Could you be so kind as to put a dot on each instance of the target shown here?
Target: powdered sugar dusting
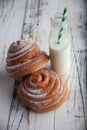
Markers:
(26, 62)
(17, 53)
(41, 101)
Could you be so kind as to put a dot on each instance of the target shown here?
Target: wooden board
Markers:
(34, 23)
(11, 21)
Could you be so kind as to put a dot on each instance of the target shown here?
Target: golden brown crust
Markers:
(43, 91)
(24, 58)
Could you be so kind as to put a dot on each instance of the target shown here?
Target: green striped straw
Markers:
(63, 20)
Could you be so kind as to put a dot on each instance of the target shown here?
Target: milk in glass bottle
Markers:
(59, 51)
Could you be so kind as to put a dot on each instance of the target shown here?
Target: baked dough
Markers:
(43, 91)
(24, 58)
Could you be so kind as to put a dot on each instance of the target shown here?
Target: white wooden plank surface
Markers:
(11, 20)
(72, 115)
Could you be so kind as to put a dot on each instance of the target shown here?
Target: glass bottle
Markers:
(59, 51)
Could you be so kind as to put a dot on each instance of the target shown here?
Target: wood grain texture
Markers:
(35, 18)
(11, 20)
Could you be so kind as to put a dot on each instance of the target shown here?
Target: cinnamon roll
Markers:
(24, 58)
(43, 91)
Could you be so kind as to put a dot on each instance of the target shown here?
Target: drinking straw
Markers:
(62, 28)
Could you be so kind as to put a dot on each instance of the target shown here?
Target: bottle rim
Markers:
(56, 19)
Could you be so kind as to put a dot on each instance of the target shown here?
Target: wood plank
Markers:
(81, 69)
(72, 114)
(11, 21)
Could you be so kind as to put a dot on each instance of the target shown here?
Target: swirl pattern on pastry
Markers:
(43, 91)
(24, 58)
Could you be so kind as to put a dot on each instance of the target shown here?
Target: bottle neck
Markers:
(56, 25)
(54, 31)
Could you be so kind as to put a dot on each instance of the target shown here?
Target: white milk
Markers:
(60, 57)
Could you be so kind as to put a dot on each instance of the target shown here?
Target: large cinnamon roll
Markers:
(43, 91)
(24, 58)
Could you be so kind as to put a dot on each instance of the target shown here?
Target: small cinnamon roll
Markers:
(43, 91)
(24, 58)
